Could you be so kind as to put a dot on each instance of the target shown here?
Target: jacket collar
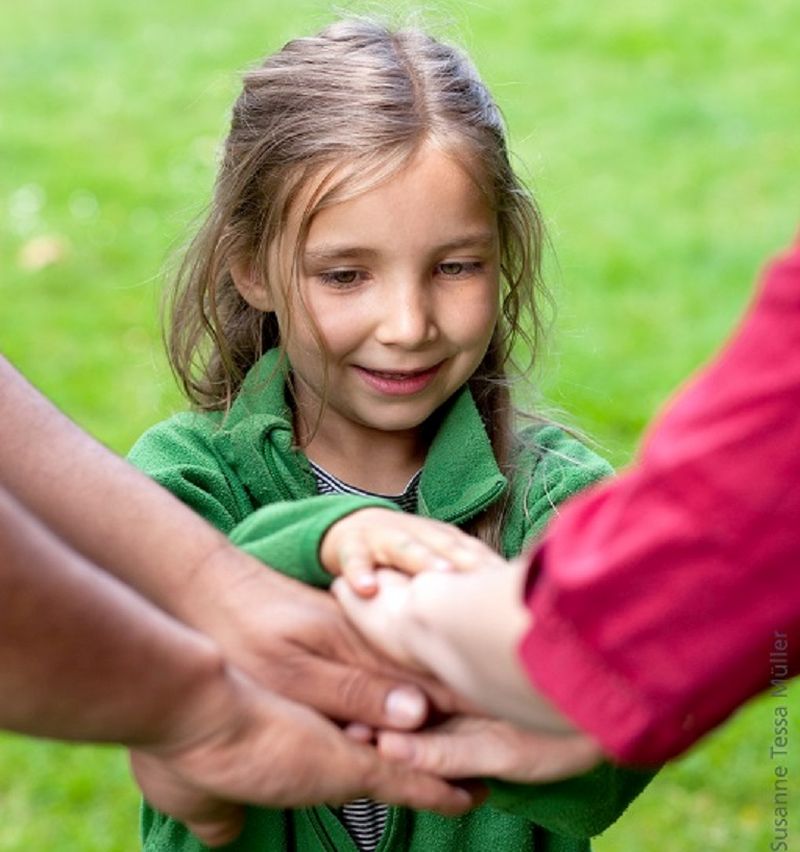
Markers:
(460, 477)
(257, 440)
(263, 391)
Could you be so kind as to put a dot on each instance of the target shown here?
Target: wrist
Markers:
(220, 573)
(332, 545)
(205, 697)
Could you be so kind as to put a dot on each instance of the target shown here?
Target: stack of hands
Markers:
(409, 701)
(234, 684)
(441, 603)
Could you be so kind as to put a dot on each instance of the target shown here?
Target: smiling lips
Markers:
(395, 383)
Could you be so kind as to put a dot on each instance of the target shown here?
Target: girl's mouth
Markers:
(396, 383)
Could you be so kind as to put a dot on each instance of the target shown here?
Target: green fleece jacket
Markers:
(241, 473)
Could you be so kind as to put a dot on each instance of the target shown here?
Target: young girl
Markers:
(342, 325)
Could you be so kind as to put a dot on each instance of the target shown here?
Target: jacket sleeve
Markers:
(179, 455)
(577, 807)
(708, 512)
(562, 466)
(286, 535)
(553, 467)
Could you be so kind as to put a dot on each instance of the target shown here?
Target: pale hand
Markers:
(470, 747)
(295, 640)
(464, 628)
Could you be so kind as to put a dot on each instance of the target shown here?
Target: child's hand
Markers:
(373, 538)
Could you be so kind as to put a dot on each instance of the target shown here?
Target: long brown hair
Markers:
(347, 109)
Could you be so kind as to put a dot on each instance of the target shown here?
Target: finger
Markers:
(464, 552)
(498, 751)
(350, 694)
(357, 567)
(438, 753)
(359, 732)
(351, 770)
(470, 553)
(420, 791)
(410, 550)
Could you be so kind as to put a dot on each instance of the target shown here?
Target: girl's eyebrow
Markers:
(328, 252)
(481, 239)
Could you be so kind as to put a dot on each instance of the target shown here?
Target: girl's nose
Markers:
(407, 316)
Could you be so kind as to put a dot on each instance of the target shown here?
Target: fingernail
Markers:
(405, 707)
(441, 564)
(365, 582)
(359, 732)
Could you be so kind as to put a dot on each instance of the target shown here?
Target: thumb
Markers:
(213, 820)
(219, 828)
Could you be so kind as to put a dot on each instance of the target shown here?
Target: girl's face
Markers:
(402, 284)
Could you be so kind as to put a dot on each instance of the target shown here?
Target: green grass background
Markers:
(660, 136)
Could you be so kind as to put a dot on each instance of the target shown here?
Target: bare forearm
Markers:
(266, 624)
(82, 657)
(100, 505)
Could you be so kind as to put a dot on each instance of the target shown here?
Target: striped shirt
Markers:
(365, 819)
(327, 483)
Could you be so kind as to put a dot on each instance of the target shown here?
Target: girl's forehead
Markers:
(432, 176)
(432, 202)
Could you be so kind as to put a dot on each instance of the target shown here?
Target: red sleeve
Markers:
(665, 599)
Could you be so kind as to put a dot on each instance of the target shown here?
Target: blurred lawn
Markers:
(661, 138)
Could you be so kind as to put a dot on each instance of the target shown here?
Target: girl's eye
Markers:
(458, 268)
(339, 277)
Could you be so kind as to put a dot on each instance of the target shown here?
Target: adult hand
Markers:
(296, 641)
(470, 746)
(207, 735)
(247, 745)
(286, 636)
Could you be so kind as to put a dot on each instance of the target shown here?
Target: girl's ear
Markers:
(250, 286)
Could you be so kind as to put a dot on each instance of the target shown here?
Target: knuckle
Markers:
(357, 693)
